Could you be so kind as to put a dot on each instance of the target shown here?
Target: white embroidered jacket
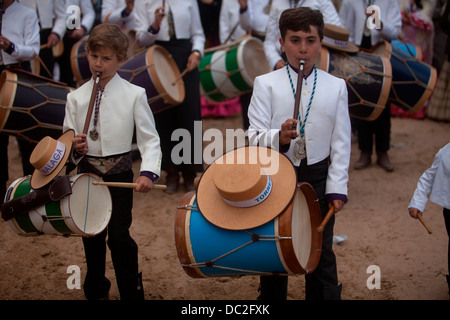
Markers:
(327, 129)
(123, 107)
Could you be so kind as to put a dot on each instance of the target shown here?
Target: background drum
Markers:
(289, 244)
(409, 48)
(86, 212)
(413, 81)
(156, 71)
(79, 62)
(368, 78)
(32, 107)
(228, 71)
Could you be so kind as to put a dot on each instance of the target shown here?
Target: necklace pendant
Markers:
(299, 149)
(93, 134)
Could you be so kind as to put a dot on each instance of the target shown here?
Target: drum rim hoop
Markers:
(184, 249)
(154, 74)
(287, 254)
(8, 85)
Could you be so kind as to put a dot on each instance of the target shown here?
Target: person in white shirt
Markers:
(19, 43)
(318, 142)
(435, 185)
(176, 27)
(271, 44)
(354, 17)
(254, 16)
(119, 12)
(49, 11)
(120, 110)
(19, 39)
(229, 24)
(78, 22)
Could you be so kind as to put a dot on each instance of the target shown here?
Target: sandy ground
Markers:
(412, 263)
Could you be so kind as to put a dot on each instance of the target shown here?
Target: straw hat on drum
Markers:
(246, 188)
(49, 157)
(336, 37)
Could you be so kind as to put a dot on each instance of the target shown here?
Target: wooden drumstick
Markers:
(419, 216)
(326, 219)
(180, 76)
(127, 185)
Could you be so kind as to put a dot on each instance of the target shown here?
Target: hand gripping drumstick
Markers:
(298, 91)
(127, 185)
(325, 220)
(419, 216)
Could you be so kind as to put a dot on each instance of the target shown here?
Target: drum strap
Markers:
(60, 188)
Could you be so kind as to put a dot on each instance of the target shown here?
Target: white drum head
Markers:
(252, 60)
(168, 74)
(90, 205)
(301, 228)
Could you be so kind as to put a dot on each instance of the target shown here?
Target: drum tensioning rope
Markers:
(255, 238)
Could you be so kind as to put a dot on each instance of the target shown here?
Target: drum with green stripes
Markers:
(228, 71)
(85, 212)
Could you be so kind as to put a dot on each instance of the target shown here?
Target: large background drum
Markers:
(86, 212)
(413, 81)
(289, 244)
(156, 71)
(228, 71)
(368, 78)
(32, 107)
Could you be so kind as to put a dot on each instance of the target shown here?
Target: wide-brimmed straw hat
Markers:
(336, 37)
(49, 157)
(246, 187)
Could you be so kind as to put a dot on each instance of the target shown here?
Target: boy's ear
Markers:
(120, 62)
(282, 44)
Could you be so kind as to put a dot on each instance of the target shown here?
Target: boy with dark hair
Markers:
(318, 142)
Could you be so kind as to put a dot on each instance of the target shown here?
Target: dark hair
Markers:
(107, 35)
(301, 19)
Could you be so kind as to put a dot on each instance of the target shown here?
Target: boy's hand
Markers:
(144, 184)
(4, 43)
(288, 131)
(414, 212)
(338, 205)
(129, 6)
(79, 143)
(193, 61)
(280, 64)
(159, 16)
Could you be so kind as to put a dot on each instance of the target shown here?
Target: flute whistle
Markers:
(298, 91)
(91, 103)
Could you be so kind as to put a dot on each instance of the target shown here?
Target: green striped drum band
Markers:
(228, 71)
(85, 212)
